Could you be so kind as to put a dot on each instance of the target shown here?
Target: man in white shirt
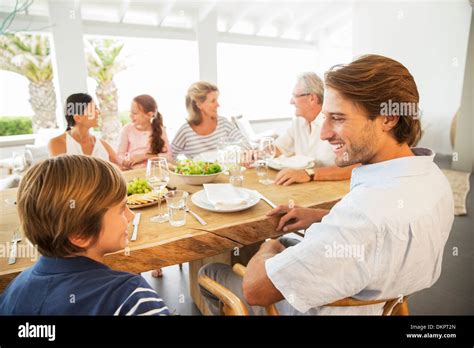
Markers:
(385, 238)
(303, 137)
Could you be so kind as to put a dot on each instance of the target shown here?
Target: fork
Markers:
(196, 216)
(13, 251)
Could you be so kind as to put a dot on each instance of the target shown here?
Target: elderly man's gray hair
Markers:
(311, 83)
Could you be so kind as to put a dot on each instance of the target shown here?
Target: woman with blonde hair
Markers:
(73, 209)
(204, 128)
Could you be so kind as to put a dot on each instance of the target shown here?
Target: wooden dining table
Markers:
(227, 237)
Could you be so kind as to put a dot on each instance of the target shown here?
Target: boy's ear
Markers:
(79, 241)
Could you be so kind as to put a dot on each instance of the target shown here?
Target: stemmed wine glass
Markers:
(158, 176)
(21, 161)
(266, 151)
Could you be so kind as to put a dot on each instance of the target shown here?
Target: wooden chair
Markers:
(233, 305)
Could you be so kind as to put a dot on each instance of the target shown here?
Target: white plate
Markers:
(199, 198)
(278, 166)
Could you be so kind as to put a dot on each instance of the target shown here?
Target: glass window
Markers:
(257, 81)
(161, 68)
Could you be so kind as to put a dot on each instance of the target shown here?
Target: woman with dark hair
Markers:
(81, 115)
(145, 137)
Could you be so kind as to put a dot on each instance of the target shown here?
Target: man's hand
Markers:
(289, 176)
(272, 246)
(297, 218)
(258, 289)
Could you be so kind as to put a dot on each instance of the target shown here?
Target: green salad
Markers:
(190, 167)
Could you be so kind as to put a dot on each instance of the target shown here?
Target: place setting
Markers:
(226, 198)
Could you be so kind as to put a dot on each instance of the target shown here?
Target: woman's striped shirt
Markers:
(189, 143)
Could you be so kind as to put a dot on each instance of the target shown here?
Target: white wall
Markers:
(430, 39)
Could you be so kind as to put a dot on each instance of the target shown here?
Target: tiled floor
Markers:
(174, 289)
(450, 295)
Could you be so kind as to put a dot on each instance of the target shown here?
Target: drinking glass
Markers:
(229, 153)
(176, 201)
(236, 176)
(18, 162)
(124, 158)
(28, 158)
(158, 176)
(266, 151)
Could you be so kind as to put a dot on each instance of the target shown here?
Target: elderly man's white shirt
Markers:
(383, 240)
(301, 139)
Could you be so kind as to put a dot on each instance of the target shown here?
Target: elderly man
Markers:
(303, 137)
(385, 238)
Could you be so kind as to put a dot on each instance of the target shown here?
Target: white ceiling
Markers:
(302, 21)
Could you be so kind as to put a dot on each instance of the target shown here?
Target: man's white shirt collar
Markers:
(405, 166)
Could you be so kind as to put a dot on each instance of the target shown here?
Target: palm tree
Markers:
(29, 55)
(103, 65)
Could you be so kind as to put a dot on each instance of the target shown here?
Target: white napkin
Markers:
(294, 162)
(225, 196)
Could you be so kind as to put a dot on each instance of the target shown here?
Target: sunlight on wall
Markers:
(257, 81)
(14, 95)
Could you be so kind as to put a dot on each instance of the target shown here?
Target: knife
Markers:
(136, 221)
(14, 251)
(269, 202)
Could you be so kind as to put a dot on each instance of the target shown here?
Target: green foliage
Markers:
(15, 125)
(102, 59)
(27, 55)
(124, 117)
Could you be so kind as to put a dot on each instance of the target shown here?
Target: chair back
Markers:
(233, 305)
(244, 127)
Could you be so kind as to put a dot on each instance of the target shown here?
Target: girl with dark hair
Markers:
(81, 115)
(145, 137)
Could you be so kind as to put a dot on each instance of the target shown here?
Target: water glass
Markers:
(266, 151)
(229, 153)
(176, 201)
(125, 158)
(262, 169)
(236, 176)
